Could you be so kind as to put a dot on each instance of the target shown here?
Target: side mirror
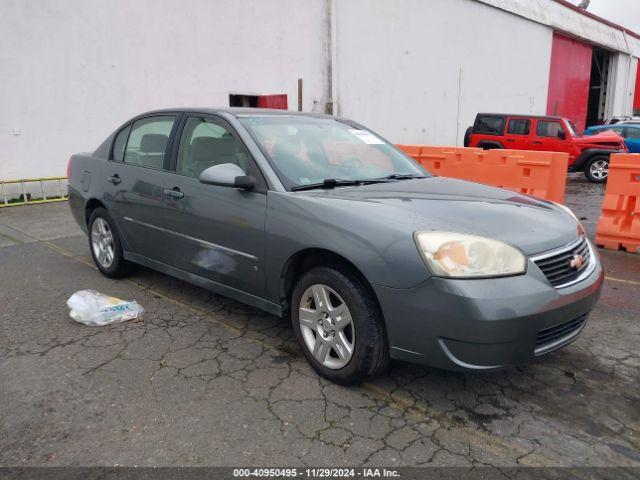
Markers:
(227, 175)
(562, 135)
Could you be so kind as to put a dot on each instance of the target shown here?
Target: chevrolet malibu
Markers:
(320, 220)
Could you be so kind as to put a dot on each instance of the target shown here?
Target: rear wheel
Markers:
(597, 169)
(339, 326)
(489, 146)
(105, 245)
(467, 136)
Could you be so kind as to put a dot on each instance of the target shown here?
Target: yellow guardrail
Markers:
(27, 198)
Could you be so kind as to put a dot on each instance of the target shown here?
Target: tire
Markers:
(467, 136)
(104, 237)
(489, 146)
(597, 169)
(365, 334)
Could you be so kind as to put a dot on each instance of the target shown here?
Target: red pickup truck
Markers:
(589, 154)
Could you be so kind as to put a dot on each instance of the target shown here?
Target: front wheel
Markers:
(597, 169)
(339, 326)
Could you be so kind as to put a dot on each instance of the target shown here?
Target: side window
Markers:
(633, 133)
(519, 126)
(148, 141)
(490, 125)
(205, 143)
(547, 128)
(119, 143)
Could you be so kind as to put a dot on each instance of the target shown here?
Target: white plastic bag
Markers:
(95, 309)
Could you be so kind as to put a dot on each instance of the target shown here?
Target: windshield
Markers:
(572, 128)
(309, 150)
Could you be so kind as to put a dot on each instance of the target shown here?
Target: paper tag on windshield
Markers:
(367, 137)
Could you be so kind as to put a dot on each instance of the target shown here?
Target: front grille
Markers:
(611, 144)
(559, 335)
(560, 267)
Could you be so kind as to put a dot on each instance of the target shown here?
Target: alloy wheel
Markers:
(599, 169)
(102, 242)
(327, 326)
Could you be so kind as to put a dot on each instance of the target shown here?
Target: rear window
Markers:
(147, 143)
(519, 126)
(490, 125)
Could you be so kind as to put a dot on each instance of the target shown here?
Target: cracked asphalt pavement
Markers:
(204, 380)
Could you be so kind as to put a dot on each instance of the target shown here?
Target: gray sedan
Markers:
(318, 219)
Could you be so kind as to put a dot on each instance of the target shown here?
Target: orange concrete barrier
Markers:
(413, 151)
(540, 174)
(619, 224)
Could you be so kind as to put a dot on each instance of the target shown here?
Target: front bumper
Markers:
(486, 324)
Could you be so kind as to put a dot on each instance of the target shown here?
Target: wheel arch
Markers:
(89, 207)
(490, 145)
(303, 260)
(587, 154)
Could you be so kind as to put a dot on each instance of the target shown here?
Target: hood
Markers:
(446, 204)
(605, 138)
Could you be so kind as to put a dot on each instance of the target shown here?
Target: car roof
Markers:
(523, 115)
(617, 125)
(239, 112)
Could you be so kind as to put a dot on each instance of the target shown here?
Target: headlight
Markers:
(460, 255)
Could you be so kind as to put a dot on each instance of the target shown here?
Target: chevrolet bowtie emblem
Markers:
(577, 262)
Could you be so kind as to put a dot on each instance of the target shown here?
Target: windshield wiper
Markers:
(404, 176)
(336, 182)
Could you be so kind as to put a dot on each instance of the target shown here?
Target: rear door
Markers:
(545, 136)
(517, 133)
(137, 180)
(216, 232)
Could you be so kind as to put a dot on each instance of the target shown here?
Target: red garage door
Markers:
(569, 79)
(636, 97)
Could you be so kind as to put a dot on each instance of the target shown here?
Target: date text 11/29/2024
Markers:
(315, 472)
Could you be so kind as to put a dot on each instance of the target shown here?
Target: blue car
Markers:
(630, 132)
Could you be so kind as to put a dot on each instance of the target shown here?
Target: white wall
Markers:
(418, 72)
(72, 71)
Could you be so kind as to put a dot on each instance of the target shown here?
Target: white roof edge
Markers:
(634, 44)
(566, 20)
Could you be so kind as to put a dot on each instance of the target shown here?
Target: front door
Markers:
(546, 136)
(218, 232)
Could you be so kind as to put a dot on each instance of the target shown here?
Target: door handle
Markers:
(511, 140)
(536, 143)
(115, 179)
(173, 192)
